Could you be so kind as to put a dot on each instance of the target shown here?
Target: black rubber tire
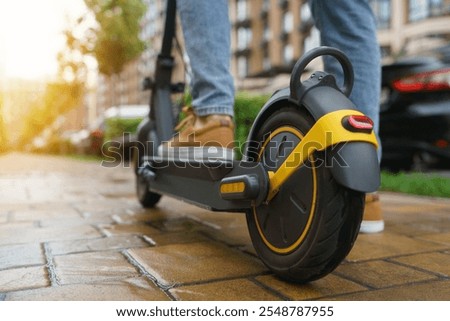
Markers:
(145, 197)
(299, 237)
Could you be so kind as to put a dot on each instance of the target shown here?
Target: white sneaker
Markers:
(373, 218)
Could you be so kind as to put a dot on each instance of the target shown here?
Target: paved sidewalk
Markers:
(73, 230)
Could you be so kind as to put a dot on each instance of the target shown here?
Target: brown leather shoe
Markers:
(373, 218)
(201, 138)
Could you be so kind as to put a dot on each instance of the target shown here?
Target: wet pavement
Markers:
(73, 230)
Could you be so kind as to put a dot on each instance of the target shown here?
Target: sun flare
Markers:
(30, 35)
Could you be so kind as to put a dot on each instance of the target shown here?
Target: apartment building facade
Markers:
(268, 36)
(408, 27)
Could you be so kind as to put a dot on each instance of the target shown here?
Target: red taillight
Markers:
(358, 123)
(441, 143)
(426, 81)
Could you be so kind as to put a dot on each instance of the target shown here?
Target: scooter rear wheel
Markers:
(310, 226)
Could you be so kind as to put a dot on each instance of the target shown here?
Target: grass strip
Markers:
(416, 183)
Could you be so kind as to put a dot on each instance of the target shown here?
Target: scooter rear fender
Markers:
(353, 164)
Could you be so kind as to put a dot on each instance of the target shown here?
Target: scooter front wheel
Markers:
(144, 148)
(310, 226)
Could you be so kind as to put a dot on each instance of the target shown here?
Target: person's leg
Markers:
(349, 25)
(207, 132)
(206, 29)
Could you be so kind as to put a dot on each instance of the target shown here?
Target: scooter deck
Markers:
(208, 184)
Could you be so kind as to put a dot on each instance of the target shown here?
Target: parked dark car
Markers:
(415, 113)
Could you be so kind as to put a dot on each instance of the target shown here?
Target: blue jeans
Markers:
(349, 25)
(206, 29)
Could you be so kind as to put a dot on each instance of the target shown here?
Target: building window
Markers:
(288, 54)
(305, 12)
(439, 7)
(423, 9)
(242, 65)
(267, 33)
(386, 51)
(244, 38)
(267, 65)
(288, 22)
(382, 11)
(242, 10)
(417, 10)
(312, 41)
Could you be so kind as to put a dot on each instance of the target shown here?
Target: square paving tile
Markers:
(233, 290)
(6, 228)
(167, 209)
(53, 205)
(21, 255)
(92, 267)
(442, 238)
(400, 199)
(196, 262)
(44, 214)
(99, 244)
(23, 278)
(386, 244)
(4, 217)
(429, 291)
(235, 236)
(417, 223)
(123, 290)
(9, 207)
(433, 262)
(77, 221)
(380, 274)
(179, 225)
(128, 229)
(110, 206)
(330, 285)
(229, 228)
(131, 217)
(218, 219)
(13, 235)
(176, 238)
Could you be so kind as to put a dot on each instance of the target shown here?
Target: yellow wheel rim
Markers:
(300, 239)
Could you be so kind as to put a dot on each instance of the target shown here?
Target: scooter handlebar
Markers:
(295, 82)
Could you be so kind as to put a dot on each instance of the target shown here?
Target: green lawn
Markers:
(416, 183)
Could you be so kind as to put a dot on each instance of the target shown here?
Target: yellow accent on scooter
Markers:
(326, 132)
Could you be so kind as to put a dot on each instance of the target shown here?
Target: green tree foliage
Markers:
(116, 39)
(72, 65)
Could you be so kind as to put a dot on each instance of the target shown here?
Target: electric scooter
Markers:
(309, 159)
